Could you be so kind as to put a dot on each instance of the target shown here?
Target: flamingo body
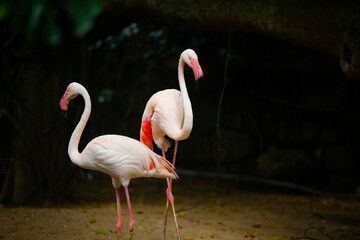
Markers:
(121, 157)
(165, 110)
(169, 113)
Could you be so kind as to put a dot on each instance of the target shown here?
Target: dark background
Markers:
(288, 113)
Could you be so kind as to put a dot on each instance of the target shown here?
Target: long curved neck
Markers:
(73, 148)
(188, 115)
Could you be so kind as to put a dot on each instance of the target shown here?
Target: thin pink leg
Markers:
(119, 222)
(175, 152)
(170, 197)
(132, 220)
(174, 157)
(167, 199)
(163, 152)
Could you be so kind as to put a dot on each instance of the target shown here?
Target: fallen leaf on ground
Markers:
(138, 210)
(100, 231)
(180, 214)
(210, 235)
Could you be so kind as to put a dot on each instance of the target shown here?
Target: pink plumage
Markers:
(121, 157)
(170, 114)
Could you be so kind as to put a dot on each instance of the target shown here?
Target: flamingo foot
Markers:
(131, 234)
(118, 229)
(131, 228)
(170, 196)
(171, 199)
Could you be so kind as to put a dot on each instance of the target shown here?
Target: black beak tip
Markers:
(197, 83)
(64, 113)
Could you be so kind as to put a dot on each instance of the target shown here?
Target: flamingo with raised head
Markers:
(169, 112)
(121, 157)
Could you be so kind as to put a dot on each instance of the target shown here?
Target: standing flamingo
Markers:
(120, 157)
(169, 112)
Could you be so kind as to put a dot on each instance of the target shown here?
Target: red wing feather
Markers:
(146, 133)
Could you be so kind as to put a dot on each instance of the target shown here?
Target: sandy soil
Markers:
(230, 213)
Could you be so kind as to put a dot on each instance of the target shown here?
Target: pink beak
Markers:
(64, 104)
(198, 73)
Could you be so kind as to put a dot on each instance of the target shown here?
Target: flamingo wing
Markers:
(125, 158)
(146, 132)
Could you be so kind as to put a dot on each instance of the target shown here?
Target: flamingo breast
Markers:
(167, 109)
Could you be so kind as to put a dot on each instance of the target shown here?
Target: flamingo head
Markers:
(72, 91)
(191, 59)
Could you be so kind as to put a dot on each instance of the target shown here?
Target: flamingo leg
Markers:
(170, 197)
(163, 152)
(167, 199)
(119, 222)
(132, 220)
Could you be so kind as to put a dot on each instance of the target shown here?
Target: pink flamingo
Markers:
(169, 112)
(120, 157)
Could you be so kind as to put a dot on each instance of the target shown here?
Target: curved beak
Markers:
(64, 104)
(198, 73)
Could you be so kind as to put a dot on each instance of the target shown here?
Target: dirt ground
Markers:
(232, 212)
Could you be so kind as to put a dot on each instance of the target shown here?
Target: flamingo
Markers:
(169, 112)
(121, 157)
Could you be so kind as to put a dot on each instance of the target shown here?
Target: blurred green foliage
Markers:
(48, 21)
(83, 13)
(30, 30)
(106, 95)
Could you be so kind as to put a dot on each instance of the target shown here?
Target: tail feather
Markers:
(168, 166)
(165, 165)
